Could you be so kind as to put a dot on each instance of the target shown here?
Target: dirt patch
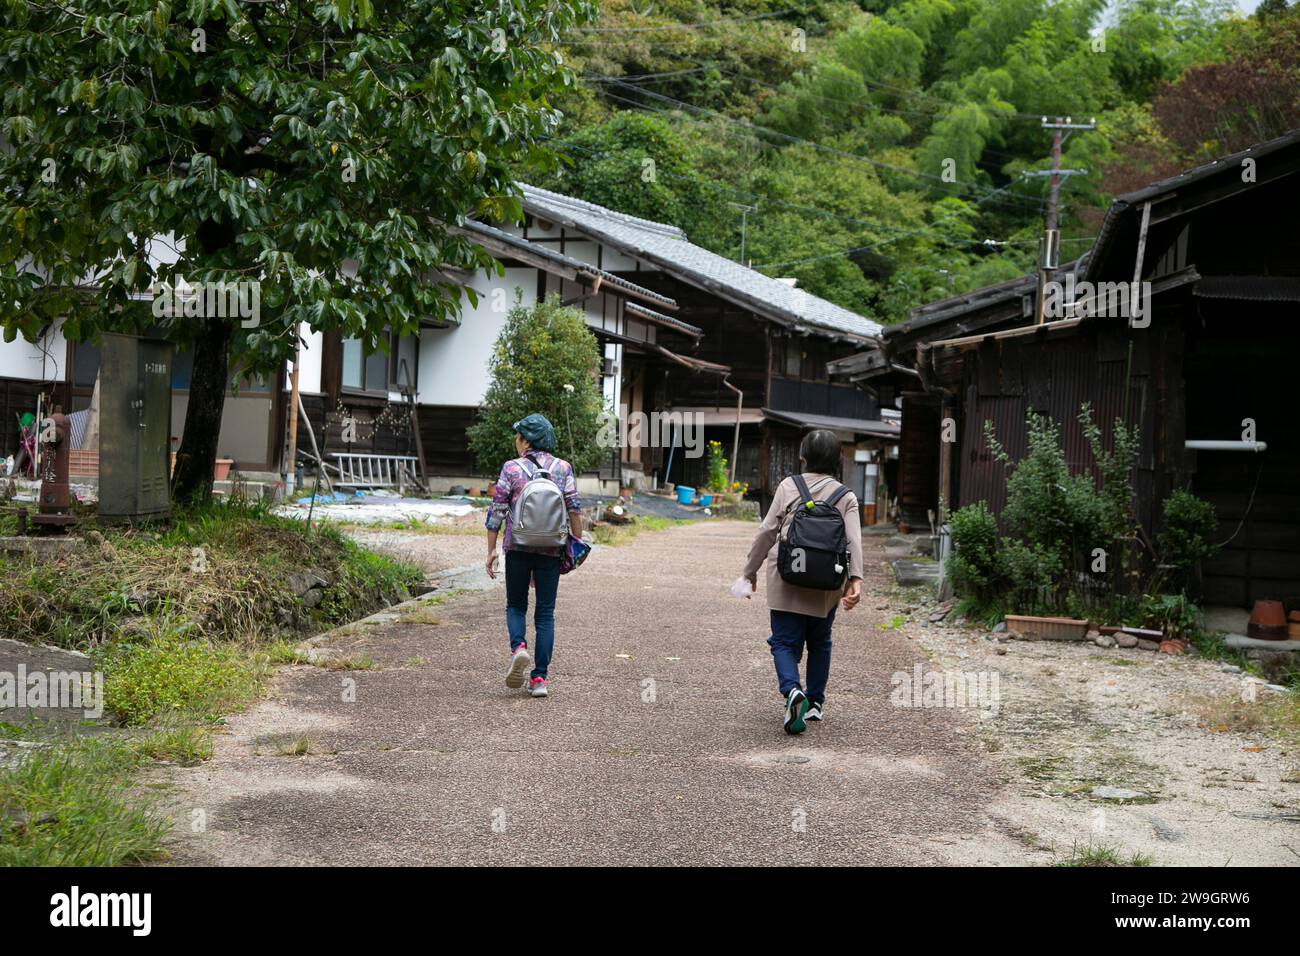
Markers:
(1125, 749)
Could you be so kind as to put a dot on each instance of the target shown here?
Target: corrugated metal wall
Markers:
(1010, 378)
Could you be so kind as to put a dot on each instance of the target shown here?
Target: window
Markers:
(793, 358)
(379, 370)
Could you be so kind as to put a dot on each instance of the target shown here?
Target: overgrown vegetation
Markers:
(218, 573)
(185, 622)
(874, 149)
(616, 534)
(1098, 854)
(1070, 541)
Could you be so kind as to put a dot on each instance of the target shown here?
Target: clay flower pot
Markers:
(221, 470)
(1268, 621)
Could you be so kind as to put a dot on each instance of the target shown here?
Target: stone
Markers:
(313, 597)
(42, 548)
(106, 550)
(1104, 640)
(1115, 793)
(1240, 642)
(301, 583)
(912, 573)
(1126, 640)
(940, 612)
(1145, 645)
(1093, 634)
(1230, 668)
(1000, 627)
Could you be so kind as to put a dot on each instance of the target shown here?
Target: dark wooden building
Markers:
(1206, 375)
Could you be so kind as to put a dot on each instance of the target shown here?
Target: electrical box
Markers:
(135, 424)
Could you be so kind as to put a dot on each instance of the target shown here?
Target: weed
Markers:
(71, 806)
(1102, 855)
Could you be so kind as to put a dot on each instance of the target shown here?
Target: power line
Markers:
(817, 210)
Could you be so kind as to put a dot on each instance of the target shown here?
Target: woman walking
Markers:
(536, 499)
(825, 555)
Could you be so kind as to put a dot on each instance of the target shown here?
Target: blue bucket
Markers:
(706, 500)
(685, 494)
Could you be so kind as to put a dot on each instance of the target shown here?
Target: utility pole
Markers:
(744, 222)
(1049, 252)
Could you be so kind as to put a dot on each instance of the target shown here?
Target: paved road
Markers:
(437, 762)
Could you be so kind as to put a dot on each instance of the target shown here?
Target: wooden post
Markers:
(290, 467)
(945, 463)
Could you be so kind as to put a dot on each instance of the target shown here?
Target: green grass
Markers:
(1100, 855)
(72, 805)
(181, 642)
(617, 534)
(181, 744)
(173, 675)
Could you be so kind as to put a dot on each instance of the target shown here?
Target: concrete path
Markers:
(661, 742)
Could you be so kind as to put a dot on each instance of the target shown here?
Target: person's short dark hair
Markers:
(820, 451)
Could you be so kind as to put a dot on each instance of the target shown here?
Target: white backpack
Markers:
(540, 518)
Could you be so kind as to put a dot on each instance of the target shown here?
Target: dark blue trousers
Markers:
(544, 571)
(790, 632)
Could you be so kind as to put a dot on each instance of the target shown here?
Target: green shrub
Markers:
(546, 361)
(1189, 522)
(717, 468)
(1173, 614)
(1058, 520)
(975, 564)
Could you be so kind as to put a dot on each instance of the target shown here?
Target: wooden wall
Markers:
(1240, 365)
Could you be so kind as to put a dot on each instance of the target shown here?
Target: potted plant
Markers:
(221, 470)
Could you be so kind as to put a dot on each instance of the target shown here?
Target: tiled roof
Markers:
(501, 237)
(667, 247)
(650, 315)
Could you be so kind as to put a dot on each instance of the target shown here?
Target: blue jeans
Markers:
(544, 570)
(790, 632)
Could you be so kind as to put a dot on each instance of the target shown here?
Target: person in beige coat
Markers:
(804, 616)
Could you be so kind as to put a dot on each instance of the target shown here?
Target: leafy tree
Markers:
(314, 148)
(638, 164)
(939, 101)
(545, 360)
(1154, 40)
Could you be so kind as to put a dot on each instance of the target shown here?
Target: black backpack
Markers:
(814, 549)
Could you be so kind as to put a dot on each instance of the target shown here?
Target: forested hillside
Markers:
(876, 150)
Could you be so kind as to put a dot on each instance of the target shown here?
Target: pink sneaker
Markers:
(537, 687)
(520, 661)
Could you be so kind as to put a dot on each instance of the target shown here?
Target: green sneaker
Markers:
(796, 705)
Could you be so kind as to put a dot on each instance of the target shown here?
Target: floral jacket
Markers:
(512, 480)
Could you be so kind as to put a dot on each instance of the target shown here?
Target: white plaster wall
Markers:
(454, 362)
(309, 372)
(39, 361)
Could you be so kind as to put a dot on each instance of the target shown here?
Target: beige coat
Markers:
(788, 597)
